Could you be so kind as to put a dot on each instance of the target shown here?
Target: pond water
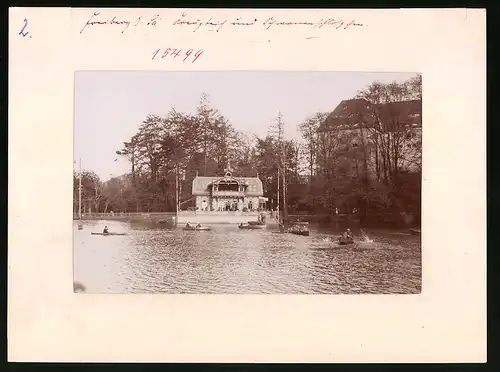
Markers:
(228, 260)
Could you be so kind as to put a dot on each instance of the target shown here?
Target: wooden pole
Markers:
(176, 191)
(80, 191)
(285, 205)
(278, 198)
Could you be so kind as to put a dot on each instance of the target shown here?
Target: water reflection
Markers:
(158, 259)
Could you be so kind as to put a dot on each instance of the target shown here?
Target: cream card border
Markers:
(446, 323)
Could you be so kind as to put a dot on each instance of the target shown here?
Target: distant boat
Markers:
(256, 223)
(109, 233)
(300, 228)
(415, 231)
(251, 227)
(195, 228)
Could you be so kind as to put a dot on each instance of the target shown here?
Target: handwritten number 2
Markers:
(22, 33)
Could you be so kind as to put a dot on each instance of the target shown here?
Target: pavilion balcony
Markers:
(228, 193)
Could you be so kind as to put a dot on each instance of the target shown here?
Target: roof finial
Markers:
(197, 173)
(228, 171)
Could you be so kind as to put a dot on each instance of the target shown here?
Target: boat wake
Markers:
(366, 238)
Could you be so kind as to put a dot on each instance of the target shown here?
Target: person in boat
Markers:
(347, 234)
(105, 231)
(262, 218)
(188, 224)
(199, 225)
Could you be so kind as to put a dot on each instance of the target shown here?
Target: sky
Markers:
(110, 105)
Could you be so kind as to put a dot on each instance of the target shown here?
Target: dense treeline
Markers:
(323, 173)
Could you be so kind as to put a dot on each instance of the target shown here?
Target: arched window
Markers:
(228, 185)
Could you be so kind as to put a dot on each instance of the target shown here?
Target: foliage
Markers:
(366, 169)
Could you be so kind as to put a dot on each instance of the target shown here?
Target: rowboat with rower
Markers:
(198, 227)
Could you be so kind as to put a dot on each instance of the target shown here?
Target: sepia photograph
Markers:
(247, 182)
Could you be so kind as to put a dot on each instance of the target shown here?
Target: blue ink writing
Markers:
(22, 33)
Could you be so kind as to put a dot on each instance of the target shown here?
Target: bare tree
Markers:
(309, 130)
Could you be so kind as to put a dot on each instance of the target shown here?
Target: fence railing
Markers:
(159, 214)
(156, 215)
(215, 213)
(124, 214)
(228, 193)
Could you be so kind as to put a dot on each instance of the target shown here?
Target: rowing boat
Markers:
(194, 228)
(300, 228)
(256, 223)
(345, 241)
(251, 227)
(97, 233)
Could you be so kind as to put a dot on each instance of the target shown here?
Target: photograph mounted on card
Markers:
(290, 185)
(248, 182)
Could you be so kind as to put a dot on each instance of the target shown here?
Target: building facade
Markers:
(367, 131)
(228, 193)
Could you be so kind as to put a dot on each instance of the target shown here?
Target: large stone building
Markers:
(357, 122)
(228, 193)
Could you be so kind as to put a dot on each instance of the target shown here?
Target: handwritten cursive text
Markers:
(175, 53)
(267, 23)
(94, 21)
(151, 22)
(333, 22)
(196, 23)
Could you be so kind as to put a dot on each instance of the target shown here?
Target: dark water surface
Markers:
(227, 260)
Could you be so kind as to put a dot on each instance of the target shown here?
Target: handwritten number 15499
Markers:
(174, 53)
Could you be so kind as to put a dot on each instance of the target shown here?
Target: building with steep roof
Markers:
(349, 114)
(357, 121)
(228, 193)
